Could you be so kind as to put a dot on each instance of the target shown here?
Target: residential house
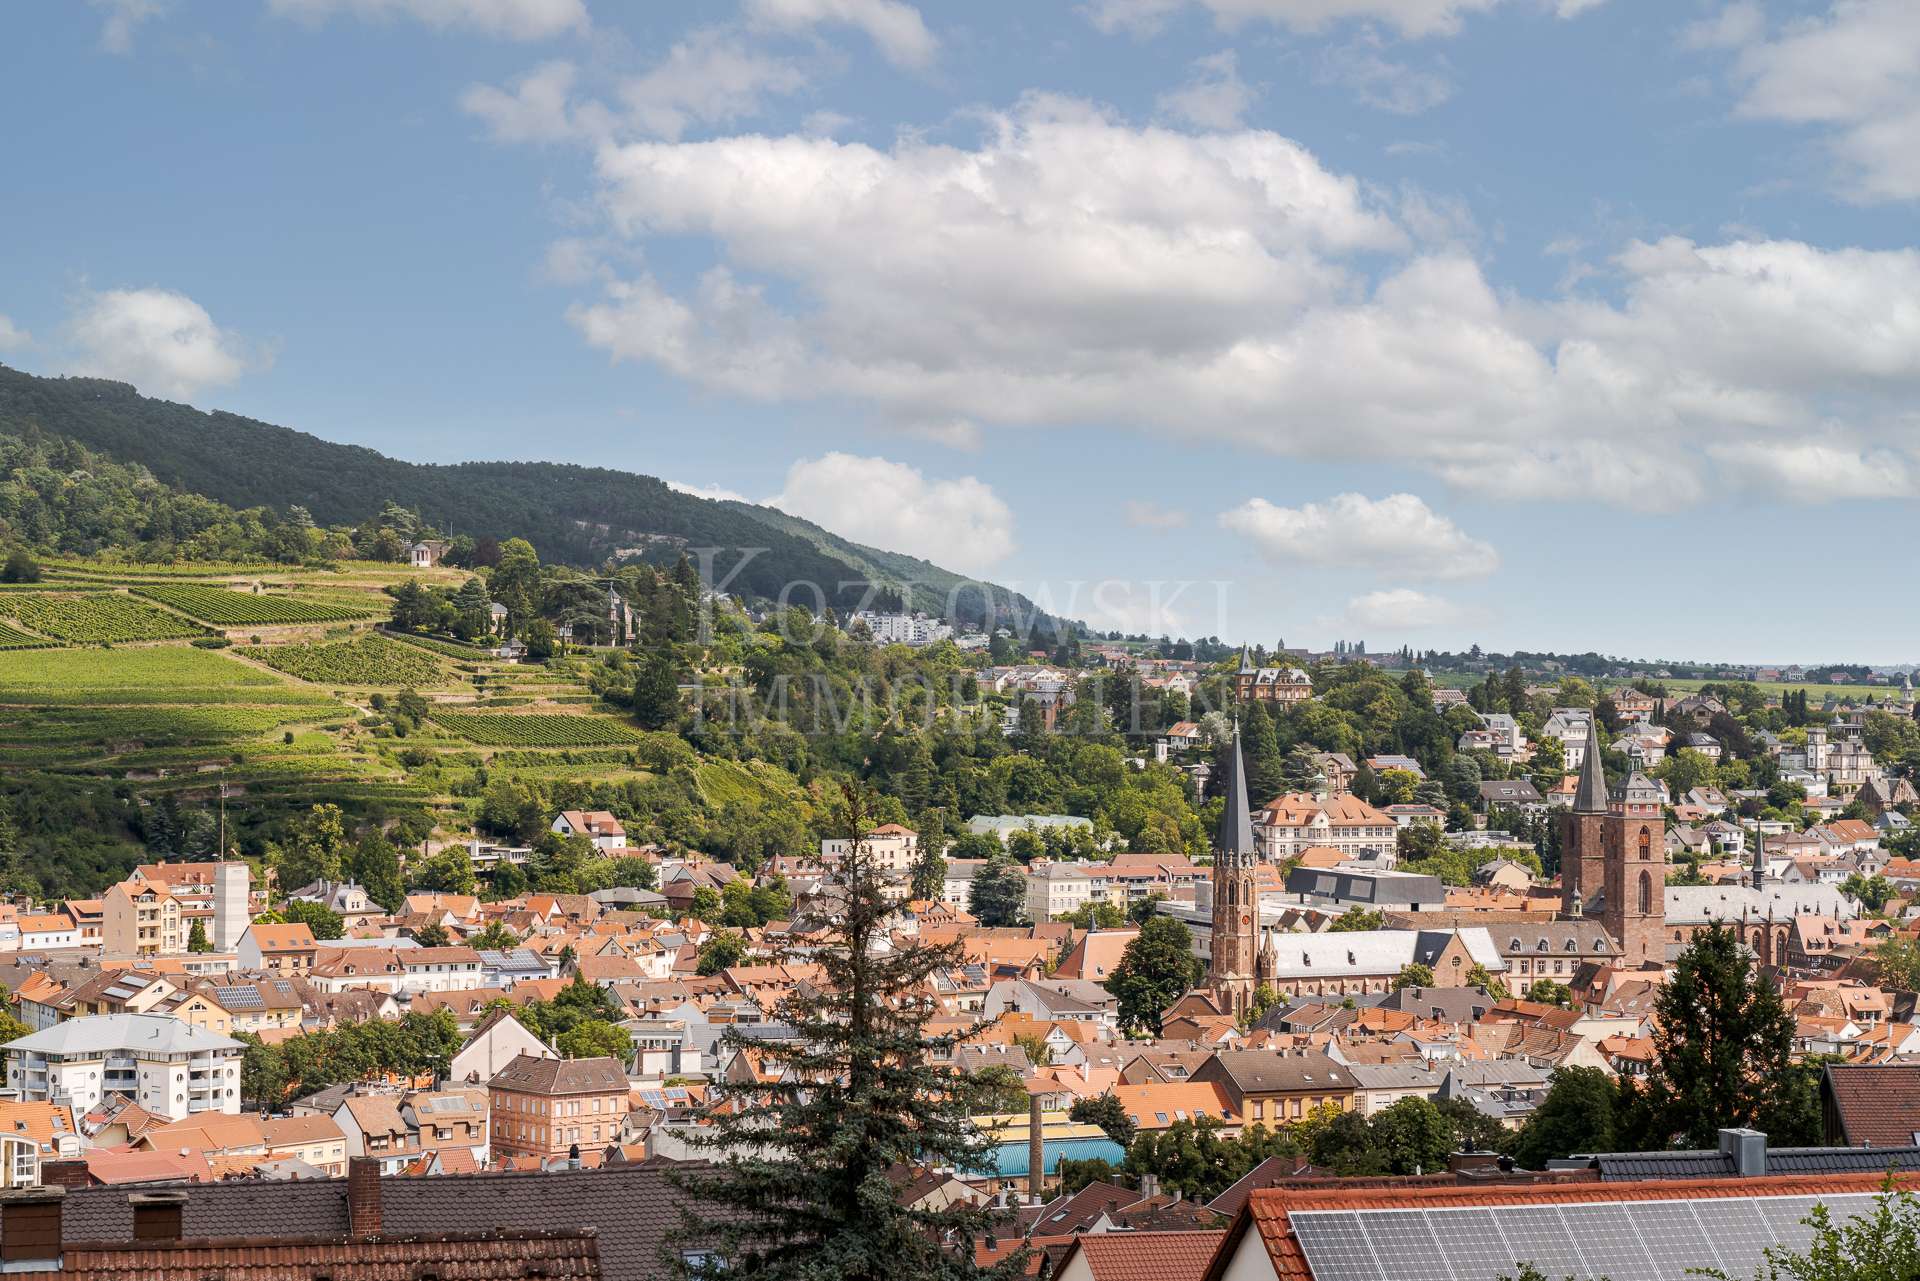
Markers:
(545, 1107)
(598, 826)
(282, 949)
(1263, 1087)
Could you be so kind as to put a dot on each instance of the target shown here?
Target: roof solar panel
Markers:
(1675, 1239)
(1406, 1246)
(1737, 1230)
(1535, 1234)
(1609, 1243)
(1473, 1244)
(1335, 1246)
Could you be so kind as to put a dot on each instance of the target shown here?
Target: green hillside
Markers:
(574, 515)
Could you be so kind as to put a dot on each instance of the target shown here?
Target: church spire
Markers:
(1591, 796)
(1246, 660)
(1235, 836)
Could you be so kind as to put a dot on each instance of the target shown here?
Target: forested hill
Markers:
(576, 515)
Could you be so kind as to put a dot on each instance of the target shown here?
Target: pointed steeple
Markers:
(1759, 861)
(1591, 796)
(1246, 660)
(1236, 826)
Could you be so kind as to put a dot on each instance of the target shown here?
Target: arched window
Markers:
(1646, 894)
(1646, 846)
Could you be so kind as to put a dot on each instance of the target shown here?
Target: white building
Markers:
(168, 1067)
(1055, 888)
(902, 629)
(892, 847)
(598, 826)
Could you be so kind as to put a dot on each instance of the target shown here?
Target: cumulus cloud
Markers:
(12, 336)
(162, 342)
(958, 524)
(1408, 17)
(1214, 98)
(538, 108)
(1144, 513)
(896, 28)
(1400, 607)
(718, 493)
(123, 18)
(1070, 268)
(1853, 72)
(505, 19)
(1398, 535)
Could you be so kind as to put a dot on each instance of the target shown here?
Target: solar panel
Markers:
(1335, 1246)
(1607, 1239)
(1472, 1243)
(1535, 1234)
(1673, 1236)
(1784, 1215)
(1738, 1232)
(1406, 1246)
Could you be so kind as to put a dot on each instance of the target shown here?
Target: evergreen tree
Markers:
(1155, 970)
(1260, 748)
(929, 868)
(799, 1187)
(656, 690)
(1725, 1053)
(197, 940)
(1576, 1116)
(998, 895)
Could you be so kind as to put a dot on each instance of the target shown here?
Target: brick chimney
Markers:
(363, 1196)
(68, 1173)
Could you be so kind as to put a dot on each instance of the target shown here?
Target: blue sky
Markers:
(1572, 324)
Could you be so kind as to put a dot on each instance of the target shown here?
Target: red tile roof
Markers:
(1877, 1104)
(1144, 1256)
(571, 1256)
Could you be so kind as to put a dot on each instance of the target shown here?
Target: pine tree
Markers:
(1155, 970)
(998, 895)
(799, 1188)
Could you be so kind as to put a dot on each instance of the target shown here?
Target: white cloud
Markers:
(1855, 72)
(12, 336)
(1144, 513)
(718, 493)
(123, 18)
(162, 342)
(957, 524)
(1360, 65)
(712, 77)
(709, 78)
(1818, 471)
(1400, 607)
(1408, 17)
(895, 27)
(1740, 23)
(1068, 268)
(506, 19)
(1398, 535)
(1214, 98)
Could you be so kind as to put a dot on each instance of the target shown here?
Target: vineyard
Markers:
(223, 608)
(534, 730)
(448, 649)
(12, 637)
(160, 675)
(93, 617)
(370, 660)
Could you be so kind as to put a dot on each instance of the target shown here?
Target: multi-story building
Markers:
(1282, 685)
(1055, 888)
(598, 826)
(164, 1065)
(283, 949)
(903, 629)
(1298, 821)
(892, 848)
(140, 919)
(546, 1108)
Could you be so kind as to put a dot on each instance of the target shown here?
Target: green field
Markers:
(223, 608)
(12, 637)
(150, 677)
(536, 730)
(91, 617)
(368, 660)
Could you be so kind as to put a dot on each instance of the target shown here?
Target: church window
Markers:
(1646, 846)
(1646, 895)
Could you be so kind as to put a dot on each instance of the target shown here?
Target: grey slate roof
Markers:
(1627, 1167)
(1236, 822)
(1591, 795)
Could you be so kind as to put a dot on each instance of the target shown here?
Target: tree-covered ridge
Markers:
(576, 515)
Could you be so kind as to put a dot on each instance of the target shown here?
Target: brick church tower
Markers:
(1236, 901)
(1613, 858)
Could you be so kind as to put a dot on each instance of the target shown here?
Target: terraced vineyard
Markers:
(369, 660)
(12, 637)
(446, 649)
(178, 675)
(88, 617)
(534, 729)
(223, 608)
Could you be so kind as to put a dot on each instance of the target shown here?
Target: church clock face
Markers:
(1245, 919)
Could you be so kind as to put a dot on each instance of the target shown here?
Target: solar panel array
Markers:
(1611, 1240)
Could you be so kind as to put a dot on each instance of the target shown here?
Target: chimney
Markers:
(157, 1215)
(30, 1229)
(1149, 1184)
(1748, 1148)
(1036, 1152)
(1464, 1162)
(363, 1196)
(68, 1173)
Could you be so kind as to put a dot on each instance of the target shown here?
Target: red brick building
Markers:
(1613, 858)
(544, 1108)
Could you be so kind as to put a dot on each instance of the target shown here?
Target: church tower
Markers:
(1583, 833)
(1635, 908)
(1236, 903)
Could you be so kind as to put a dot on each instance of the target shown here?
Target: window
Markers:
(1646, 884)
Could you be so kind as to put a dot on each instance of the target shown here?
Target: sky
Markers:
(1544, 324)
